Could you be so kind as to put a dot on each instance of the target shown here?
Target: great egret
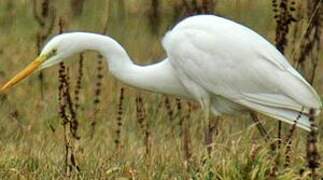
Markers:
(223, 65)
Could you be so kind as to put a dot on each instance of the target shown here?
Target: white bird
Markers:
(223, 65)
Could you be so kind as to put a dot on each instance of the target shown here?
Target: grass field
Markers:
(31, 132)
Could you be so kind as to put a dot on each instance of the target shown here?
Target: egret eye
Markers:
(52, 53)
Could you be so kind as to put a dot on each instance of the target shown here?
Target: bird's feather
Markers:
(232, 61)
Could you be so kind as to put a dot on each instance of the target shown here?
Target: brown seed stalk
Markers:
(119, 120)
(288, 141)
(283, 16)
(144, 124)
(45, 17)
(154, 16)
(140, 112)
(70, 123)
(77, 7)
(169, 109)
(68, 116)
(97, 93)
(312, 154)
(98, 84)
(308, 58)
(78, 86)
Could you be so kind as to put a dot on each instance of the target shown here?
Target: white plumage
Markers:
(225, 66)
(214, 57)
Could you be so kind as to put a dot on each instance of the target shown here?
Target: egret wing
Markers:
(232, 61)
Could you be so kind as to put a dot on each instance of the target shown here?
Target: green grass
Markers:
(29, 149)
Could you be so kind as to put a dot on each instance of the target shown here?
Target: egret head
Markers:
(58, 48)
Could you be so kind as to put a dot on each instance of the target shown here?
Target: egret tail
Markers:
(285, 115)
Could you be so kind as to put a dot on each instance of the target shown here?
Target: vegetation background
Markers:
(142, 135)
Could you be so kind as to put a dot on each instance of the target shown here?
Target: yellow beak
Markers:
(24, 73)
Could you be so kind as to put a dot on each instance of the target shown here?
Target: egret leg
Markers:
(207, 132)
(260, 127)
(211, 129)
(205, 126)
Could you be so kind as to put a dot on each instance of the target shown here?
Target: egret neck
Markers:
(159, 77)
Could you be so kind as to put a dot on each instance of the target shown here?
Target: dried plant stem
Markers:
(140, 112)
(254, 151)
(288, 141)
(78, 86)
(208, 6)
(46, 20)
(147, 140)
(284, 18)
(106, 23)
(179, 106)
(312, 153)
(154, 16)
(68, 116)
(98, 84)
(36, 14)
(308, 58)
(260, 126)
(70, 122)
(273, 171)
(144, 124)
(119, 120)
(77, 7)
(199, 7)
(3, 98)
(169, 109)
(289, 145)
(14, 113)
(98, 92)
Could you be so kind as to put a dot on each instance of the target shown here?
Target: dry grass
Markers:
(151, 146)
